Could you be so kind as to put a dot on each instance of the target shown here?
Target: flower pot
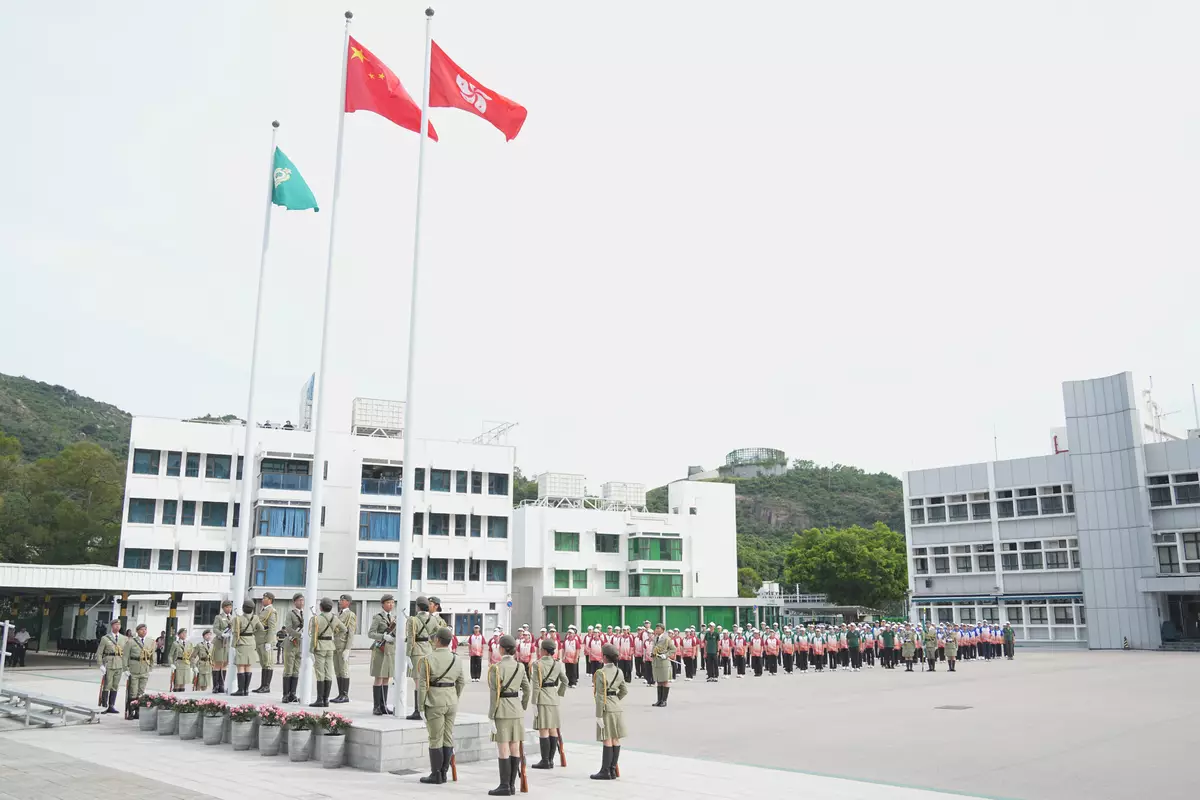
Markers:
(168, 722)
(268, 739)
(214, 727)
(147, 719)
(297, 745)
(226, 730)
(242, 735)
(333, 750)
(189, 725)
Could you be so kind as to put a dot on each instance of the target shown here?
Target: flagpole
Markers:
(406, 510)
(306, 683)
(238, 593)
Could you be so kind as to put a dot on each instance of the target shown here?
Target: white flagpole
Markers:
(306, 688)
(403, 596)
(238, 593)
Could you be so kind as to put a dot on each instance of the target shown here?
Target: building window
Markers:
(418, 524)
(1004, 504)
(497, 571)
(987, 563)
(141, 510)
(205, 611)
(497, 528)
(653, 548)
(1191, 552)
(174, 461)
(460, 569)
(937, 509)
(476, 483)
(991, 614)
(170, 514)
(166, 558)
(1168, 559)
(476, 526)
(216, 466)
(966, 614)
(419, 479)
(137, 558)
(232, 562)
(1014, 614)
(1052, 505)
(439, 524)
(497, 483)
(193, 466)
(612, 580)
(472, 569)
(941, 566)
(562, 579)
(642, 585)
(1064, 615)
(438, 569)
(145, 462)
(241, 463)
(1038, 615)
(237, 515)
(579, 579)
(1187, 493)
(460, 524)
(962, 563)
(1057, 559)
(945, 615)
(183, 562)
(1160, 495)
(210, 561)
(1027, 506)
(981, 510)
(921, 565)
(460, 482)
(1009, 562)
(608, 543)
(378, 526)
(188, 515)
(439, 480)
(286, 521)
(415, 573)
(916, 516)
(957, 508)
(214, 515)
(566, 542)
(279, 570)
(1031, 560)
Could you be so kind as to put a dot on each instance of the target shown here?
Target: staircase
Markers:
(1190, 646)
(32, 709)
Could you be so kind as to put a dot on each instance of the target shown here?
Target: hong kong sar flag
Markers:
(451, 87)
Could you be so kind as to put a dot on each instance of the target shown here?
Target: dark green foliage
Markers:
(522, 488)
(46, 418)
(854, 566)
(748, 582)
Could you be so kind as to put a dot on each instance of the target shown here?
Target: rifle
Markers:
(524, 779)
(453, 768)
(128, 699)
(172, 679)
(100, 701)
(562, 753)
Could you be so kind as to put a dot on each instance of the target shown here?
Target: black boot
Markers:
(239, 692)
(436, 755)
(376, 694)
(513, 773)
(112, 701)
(447, 755)
(325, 697)
(612, 771)
(265, 685)
(666, 694)
(216, 687)
(551, 749)
(503, 789)
(416, 715)
(343, 688)
(545, 762)
(606, 761)
(320, 696)
(657, 702)
(383, 690)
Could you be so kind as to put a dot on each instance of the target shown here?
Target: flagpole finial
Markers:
(429, 12)
(349, 15)
(275, 123)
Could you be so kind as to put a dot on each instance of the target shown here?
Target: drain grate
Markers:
(951, 708)
(404, 772)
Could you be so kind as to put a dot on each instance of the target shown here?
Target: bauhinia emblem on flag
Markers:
(371, 86)
(451, 87)
(290, 190)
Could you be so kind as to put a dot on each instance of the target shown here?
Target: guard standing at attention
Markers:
(264, 641)
(421, 626)
(507, 680)
(202, 660)
(180, 659)
(609, 689)
(662, 656)
(112, 663)
(930, 644)
(325, 627)
(342, 642)
(222, 629)
(139, 660)
(246, 629)
(951, 648)
(383, 653)
(442, 682)
(549, 685)
(293, 626)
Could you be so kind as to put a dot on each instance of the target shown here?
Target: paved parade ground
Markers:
(1051, 725)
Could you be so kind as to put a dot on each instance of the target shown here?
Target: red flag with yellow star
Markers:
(371, 86)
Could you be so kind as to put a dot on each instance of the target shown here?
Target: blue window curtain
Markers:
(378, 526)
(377, 573)
(283, 521)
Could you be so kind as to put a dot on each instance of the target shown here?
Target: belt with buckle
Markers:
(510, 694)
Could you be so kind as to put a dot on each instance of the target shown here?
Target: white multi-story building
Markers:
(614, 563)
(182, 512)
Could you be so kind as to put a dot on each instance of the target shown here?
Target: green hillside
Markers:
(46, 418)
(771, 509)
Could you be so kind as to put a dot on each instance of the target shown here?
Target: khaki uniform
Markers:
(908, 644)
(202, 663)
(180, 659)
(110, 653)
(952, 644)
(609, 689)
(343, 641)
(324, 628)
(663, 654)
(441, 682)
(383, 654)
(506, 680)
(222, 624)
(293, 650)
(929, 645)
(139, 660)
(264, 636)
(246, 629)
(420, 629)
(549, 685)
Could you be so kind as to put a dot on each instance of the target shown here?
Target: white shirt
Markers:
(22, 637)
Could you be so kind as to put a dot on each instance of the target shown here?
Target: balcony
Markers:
(381, 486)
(286, 481)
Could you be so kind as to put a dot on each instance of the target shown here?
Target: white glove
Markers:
(493, 727)
(227, 635)
(125, 677)
(387, 637)
(103, 669)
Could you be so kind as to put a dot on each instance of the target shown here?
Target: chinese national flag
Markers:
(451, 87)
(371, 86)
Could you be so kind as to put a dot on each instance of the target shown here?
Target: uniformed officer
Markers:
(202, 660)
(930, 644)
(293, 653)
(139, 660)
(179, 657)
(1009, 639)
(246, 629)
(549, 685)
(908, 648)
(325, 627)
(951, 647)
(383, 653)
(342, 642)
(442, 682)
(110, 657)
(507, 680)
(421, 626)
(222, 628)
(264, 640)
(662, 657)
(609, 689)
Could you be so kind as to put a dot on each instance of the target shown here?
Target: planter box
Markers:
(168, 722)
(147, 719)
(242, 735)
(268, 739)
(298, 743)
(214, 729)
(189, 725)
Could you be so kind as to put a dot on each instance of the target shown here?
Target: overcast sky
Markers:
(861, 232)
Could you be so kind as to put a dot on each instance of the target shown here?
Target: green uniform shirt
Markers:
(344, 639)
(441, 679)
(852, 640)
(269, 618)
(325, 628)
(139, 655)
(293, 625)
(549, 681)
(507, 673)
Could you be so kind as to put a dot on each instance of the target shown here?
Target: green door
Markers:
(601, 615)
(746, 615)
(723, 616)
(682, 617)
(552, 616)
(636, 615)
(567, 618)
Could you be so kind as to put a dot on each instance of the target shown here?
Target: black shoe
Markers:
(375, 693)
(265, 684)
(343, 691)
(436, 754)
(545, 762)
(503, 790)
(447, 757)
(606, 762)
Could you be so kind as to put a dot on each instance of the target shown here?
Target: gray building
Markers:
(1094, 546)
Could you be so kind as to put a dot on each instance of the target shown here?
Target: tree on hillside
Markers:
(748, 582)
(855, 565)
(523, 488)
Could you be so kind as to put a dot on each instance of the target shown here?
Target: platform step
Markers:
(1181, 647)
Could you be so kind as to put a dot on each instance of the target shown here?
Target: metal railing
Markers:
(381, 486)
(280, 480)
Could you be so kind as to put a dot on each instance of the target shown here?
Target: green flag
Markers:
(290, 190)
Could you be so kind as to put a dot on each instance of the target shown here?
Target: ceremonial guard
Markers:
(549, 685)
(343, 640)
(951, 648)
(139, 660)
(421, 627)
(441, 680)
(475, 646)
(383, 653)
(110, 656)
(662, 656)
(264, 641)
(609, 689)
(222, 628)
(930, 645)
(202, 660)
(325, 628)
(179, 657)
(293, 653)
(908, 648)
(246, 629)
(508, 681)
